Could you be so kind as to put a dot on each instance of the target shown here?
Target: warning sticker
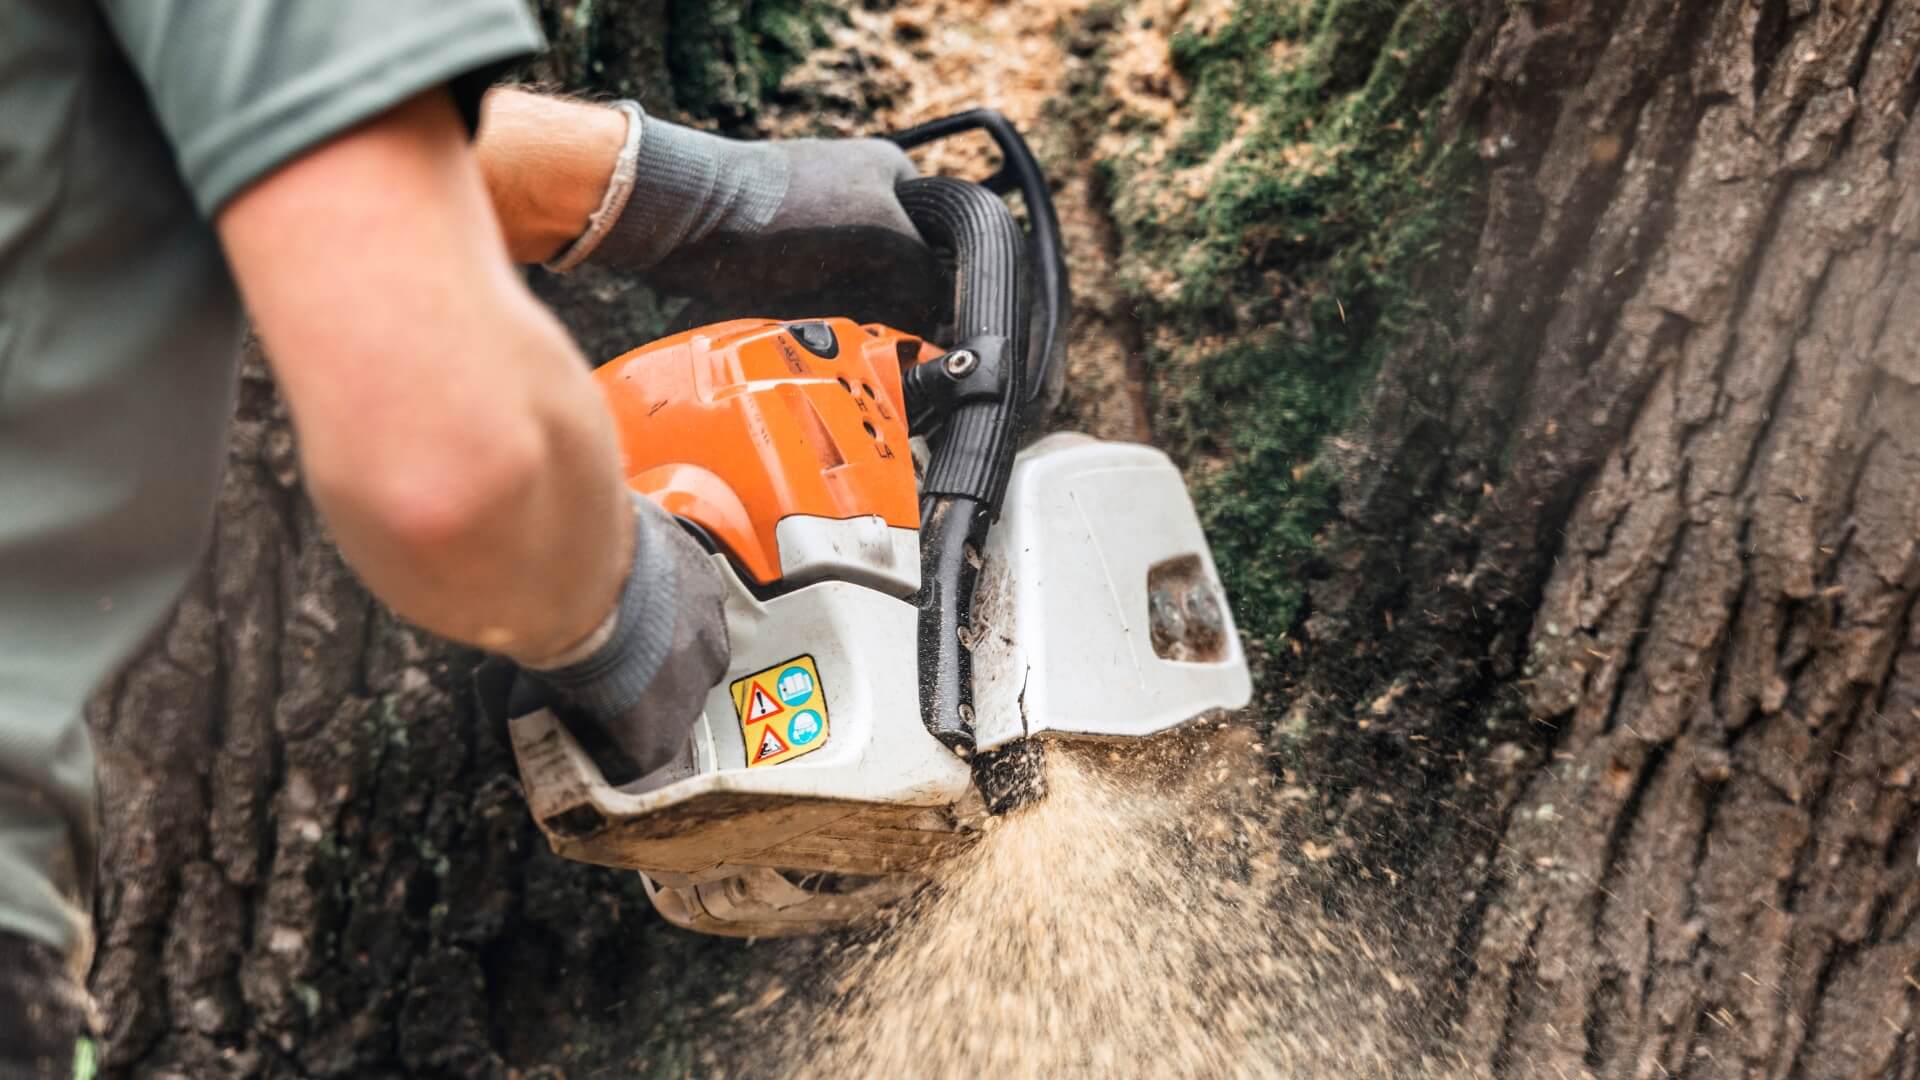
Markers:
(782, 711)
(770, 746)
(760, 706)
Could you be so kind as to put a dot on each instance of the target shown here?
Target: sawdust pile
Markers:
(1142, 920)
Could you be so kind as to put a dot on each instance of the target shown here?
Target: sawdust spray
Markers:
(1139, 921)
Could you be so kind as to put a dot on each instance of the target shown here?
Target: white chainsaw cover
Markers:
(1099, 611)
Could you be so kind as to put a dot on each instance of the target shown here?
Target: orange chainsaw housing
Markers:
(741, 424)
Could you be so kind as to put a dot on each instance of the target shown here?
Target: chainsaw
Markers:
(923, 589)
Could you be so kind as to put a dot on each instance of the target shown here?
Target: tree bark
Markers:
(1638, 551)
(1610, 655)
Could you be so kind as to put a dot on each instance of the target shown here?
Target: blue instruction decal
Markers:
(795, 685)
(804, 727)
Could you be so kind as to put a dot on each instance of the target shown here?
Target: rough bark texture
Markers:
(1647, 533)
(1609, 659)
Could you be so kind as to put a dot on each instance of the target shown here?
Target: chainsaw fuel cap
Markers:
(816, 337)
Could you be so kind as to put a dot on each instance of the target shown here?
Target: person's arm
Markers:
(546, 161)
(449, 430)
(748, 228)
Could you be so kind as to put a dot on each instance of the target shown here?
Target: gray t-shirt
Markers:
(125, 125)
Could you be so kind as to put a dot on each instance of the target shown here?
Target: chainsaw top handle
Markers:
(1009, 307)
(1045, 262)
(969, 403)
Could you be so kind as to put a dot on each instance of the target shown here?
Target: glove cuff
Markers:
(613, 201)
(687, 186)
(612, 678)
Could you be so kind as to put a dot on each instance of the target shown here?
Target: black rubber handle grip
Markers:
(948, 527)
(974, 451)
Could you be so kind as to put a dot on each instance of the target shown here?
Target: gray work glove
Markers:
(633, 701)
(760, 227)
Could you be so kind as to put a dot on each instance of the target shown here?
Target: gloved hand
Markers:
(633, 699)
(756, 226)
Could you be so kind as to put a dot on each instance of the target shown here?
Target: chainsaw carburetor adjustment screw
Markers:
(961, 362)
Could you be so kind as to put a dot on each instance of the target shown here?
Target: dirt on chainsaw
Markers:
(1140, 920)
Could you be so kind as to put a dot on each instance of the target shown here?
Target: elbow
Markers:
(451, 500)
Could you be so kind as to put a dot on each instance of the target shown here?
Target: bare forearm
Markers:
(449, 429)
(512, 531)
(546, 161)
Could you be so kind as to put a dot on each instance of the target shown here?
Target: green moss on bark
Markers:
(711, 64)
(1272, 239)
(717, 62)
(727, 57)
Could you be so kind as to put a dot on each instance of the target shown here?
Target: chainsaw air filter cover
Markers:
(743, 427)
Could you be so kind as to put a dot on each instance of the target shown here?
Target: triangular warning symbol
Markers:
(770, 744)
(761, 705)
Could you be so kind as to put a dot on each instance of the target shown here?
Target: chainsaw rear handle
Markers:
(1046, 263)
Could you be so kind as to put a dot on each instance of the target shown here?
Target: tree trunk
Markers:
(1638, 549)
(1606, 650)
(1696, 311)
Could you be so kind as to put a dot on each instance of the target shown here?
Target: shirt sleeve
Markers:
(242, 86)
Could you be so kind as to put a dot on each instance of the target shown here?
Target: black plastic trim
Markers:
(805, 333)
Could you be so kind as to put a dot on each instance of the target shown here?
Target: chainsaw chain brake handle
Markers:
(1001, 374)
